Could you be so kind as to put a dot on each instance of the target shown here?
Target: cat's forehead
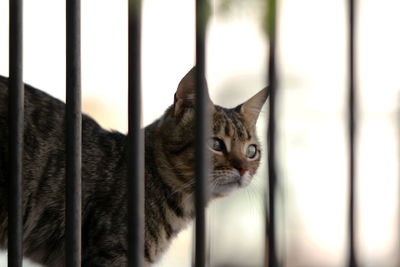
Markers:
(230, 122)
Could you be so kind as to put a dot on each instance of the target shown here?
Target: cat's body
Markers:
(169, 177)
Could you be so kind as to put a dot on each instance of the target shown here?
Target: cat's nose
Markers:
(240, 165)
(242, 170)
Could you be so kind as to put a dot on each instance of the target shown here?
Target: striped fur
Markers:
(169, 175)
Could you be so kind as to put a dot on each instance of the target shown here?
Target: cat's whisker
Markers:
(256, 198)
(251, 201)
(255, 194)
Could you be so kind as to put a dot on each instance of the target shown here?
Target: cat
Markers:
(169, 174)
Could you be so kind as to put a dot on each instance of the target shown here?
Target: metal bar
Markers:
(202, 132)
(272, 81)
(74, 137)
(352, 131)
(136, 141)
(16, 133)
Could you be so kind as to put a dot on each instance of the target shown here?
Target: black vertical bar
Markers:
(352, 130)
(74, 137)
(202, 132)
(136, 141)
(272, 81)
(16, 131)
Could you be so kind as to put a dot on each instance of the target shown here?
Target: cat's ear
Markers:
(186, 93)
(252, 107)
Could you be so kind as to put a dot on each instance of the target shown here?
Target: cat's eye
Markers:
(216, 144)
(251, 151)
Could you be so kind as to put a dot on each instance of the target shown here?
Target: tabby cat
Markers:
(169, 174)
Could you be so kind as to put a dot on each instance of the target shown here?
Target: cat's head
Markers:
(234, 148)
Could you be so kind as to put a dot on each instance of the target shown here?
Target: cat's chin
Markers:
(224, 186)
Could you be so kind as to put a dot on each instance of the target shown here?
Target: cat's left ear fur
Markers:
(252, 107)
(185, 96)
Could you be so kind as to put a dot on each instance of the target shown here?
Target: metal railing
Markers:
(272, 259)
(202, 123)
(73, 196)
(135, 141)
(352, 134)
(16, 124)
(135, 177)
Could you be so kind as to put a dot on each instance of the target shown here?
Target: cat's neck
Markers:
(164, 171)
(168, 208)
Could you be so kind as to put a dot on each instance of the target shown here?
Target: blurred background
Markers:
(312, 109)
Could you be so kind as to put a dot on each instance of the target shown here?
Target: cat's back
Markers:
(38, 105)
(44, 115)
(44, 132)
(3, 95)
